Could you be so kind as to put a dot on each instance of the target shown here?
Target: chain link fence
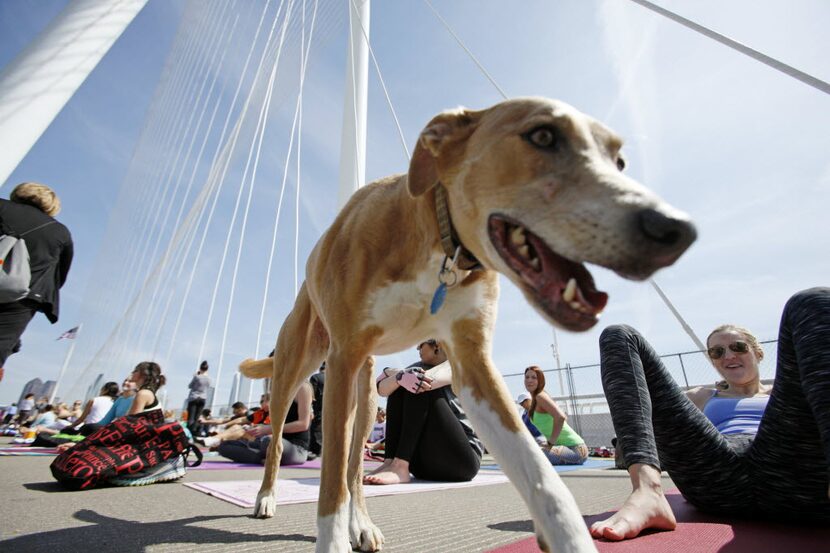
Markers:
(578, 389)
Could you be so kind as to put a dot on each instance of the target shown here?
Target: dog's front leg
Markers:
(484, 396)
(363, 533)
(333, 509)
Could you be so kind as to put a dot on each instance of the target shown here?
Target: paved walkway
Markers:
(38, 515)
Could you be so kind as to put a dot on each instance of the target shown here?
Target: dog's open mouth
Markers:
(563, 288)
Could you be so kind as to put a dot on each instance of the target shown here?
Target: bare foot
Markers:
(383, 466)
(397, 472)
(644, 508)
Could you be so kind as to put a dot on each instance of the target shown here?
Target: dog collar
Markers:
(453, 248)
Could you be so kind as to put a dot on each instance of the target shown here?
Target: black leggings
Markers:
(422, 429)
(255, 451)
(782, 472)
(194, 411)
(14, 318)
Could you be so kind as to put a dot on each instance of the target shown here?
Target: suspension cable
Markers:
(221, 162)
(778, 65)
(286, 19)
(469, 52)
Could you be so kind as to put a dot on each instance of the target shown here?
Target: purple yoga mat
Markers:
(223, 465)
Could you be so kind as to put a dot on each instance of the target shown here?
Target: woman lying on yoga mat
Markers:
(563, 446)
(736, 448)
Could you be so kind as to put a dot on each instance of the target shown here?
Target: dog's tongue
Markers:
(566, 281)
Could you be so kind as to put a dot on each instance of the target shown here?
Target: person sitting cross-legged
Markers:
(562, 445)
(427, 432)
(252, 445)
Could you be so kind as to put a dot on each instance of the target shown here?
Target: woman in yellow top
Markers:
(565, 446)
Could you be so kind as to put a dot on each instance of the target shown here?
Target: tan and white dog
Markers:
(530, 188)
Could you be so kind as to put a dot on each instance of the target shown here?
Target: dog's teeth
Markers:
(524, 251)
(535, 263)
(570, 291)
(517, 236)
(576, 306)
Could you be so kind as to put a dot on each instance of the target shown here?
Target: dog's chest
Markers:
(402, 308)
(403, 303)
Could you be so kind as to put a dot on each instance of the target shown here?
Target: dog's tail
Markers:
(257, 368)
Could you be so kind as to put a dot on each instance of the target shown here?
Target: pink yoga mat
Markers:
(27, 450)
(225, 465)
(306, 490)
(698, 532)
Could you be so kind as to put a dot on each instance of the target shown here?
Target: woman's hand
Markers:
(259, 431)
(414, 380)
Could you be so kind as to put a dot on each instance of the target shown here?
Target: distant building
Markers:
(38, 387)
(94, 388)
(232, 398)
(31, 387)
(47, 388)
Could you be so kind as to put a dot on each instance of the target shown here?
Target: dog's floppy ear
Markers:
(442, 138)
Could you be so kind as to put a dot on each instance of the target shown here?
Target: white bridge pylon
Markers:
(36, 85)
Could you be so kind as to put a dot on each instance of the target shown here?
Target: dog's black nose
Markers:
(668, 232)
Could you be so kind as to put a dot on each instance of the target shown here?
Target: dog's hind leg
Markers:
(300, 349)
(333, 510)
(486, 400)
(363, 533)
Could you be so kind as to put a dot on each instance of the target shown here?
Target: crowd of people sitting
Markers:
(720, 444)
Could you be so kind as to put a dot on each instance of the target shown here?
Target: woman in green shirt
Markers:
(565, 446)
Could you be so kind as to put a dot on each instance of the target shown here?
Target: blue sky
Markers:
(739, 146)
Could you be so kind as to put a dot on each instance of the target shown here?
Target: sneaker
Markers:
(170, 470)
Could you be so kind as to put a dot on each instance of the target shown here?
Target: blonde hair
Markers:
(751, 341)
(37, 195)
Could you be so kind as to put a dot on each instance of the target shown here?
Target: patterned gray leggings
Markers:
(782, 472)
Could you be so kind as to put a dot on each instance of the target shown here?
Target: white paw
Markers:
(337, 546)
(364, 535)
(266, 505)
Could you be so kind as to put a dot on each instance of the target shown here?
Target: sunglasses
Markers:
(716, 352)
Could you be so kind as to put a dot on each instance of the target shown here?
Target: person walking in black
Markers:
(199, 386)
(30, 210)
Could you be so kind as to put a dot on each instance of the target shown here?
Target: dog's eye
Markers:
(620, 163)
(544, 137)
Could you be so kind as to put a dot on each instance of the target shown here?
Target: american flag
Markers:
(69, 334)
